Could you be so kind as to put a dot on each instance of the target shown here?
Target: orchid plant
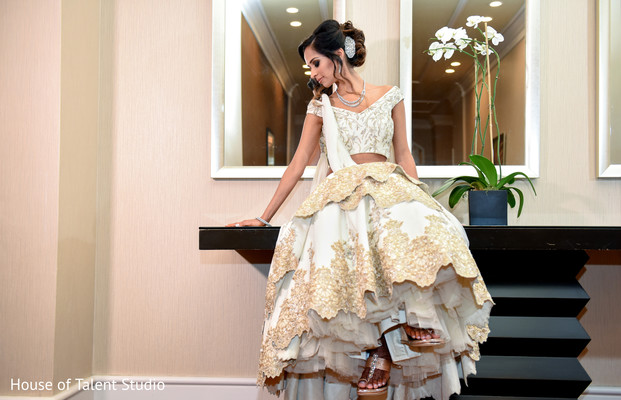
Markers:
(449, 41)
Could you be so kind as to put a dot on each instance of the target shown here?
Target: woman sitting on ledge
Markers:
(372, 284)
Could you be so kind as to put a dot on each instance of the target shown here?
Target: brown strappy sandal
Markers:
(374, 363)
(413, 342)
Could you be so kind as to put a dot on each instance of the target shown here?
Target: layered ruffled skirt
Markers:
(368, 251)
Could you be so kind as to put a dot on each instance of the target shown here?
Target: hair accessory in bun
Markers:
(350, 47)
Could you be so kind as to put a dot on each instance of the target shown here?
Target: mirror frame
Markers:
(532, 123)
(606, 169)
(226, 46)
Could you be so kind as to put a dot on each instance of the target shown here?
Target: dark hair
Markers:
(326, 39)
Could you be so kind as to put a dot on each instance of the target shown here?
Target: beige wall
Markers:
(50, 81)
(162, 307)
(79, 110)
(600, 278)
(29, 176)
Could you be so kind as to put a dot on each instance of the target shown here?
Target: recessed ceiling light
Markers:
(292, 10)
(455, 64)
(307, 72)
(295, 23)
(305, 66)
(449, 71)
(495, 4)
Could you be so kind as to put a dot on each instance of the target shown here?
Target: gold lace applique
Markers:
(293, 317)
(419, 259)
(475, 353)
(349, 185)
(479, 334)
(283, 261)
(340, 286)
(269, 364)
(481, 294)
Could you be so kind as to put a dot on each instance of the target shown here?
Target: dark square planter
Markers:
(487, 207)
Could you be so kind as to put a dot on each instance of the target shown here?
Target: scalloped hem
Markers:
(386, 182)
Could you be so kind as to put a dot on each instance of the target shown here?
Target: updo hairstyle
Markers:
(326, 39)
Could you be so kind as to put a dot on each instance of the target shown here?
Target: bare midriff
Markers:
(363, 158)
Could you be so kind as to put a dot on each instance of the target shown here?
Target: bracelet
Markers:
(264, 221)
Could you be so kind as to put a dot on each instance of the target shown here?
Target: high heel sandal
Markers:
(373, 364)
(413, 342)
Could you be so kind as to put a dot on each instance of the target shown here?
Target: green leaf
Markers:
(457, 193)
(471, 180)
(521, 195)
(468, 179)
(509, 179)
(487, 167)
(510, 198)
(447, 184)
(482, 179)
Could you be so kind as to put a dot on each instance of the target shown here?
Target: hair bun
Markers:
(359, 57)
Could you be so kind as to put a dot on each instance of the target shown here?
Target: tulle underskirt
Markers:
(367, 252)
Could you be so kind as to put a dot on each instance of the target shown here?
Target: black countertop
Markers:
(481, 238)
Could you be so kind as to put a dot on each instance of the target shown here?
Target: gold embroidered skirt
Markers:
(368, 251)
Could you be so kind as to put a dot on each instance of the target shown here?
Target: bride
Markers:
(372, 288)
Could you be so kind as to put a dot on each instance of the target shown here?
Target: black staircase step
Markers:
(535, 336)
(562, 299)
(530, 266)
(561, 377)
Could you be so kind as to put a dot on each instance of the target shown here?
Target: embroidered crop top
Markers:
(368, 131)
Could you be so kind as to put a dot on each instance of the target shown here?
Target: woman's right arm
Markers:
(308, 142)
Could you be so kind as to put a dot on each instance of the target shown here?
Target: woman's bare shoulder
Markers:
(378, 90)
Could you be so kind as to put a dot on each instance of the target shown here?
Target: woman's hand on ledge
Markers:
(247, 222)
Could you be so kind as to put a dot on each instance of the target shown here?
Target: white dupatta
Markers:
(337, 154)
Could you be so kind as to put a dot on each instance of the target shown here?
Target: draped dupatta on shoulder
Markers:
(337, 154)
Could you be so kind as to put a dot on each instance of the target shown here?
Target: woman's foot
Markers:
(374, 378)
(420, 337)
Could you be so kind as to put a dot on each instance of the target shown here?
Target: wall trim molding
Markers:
(231, 386)
(602, 392)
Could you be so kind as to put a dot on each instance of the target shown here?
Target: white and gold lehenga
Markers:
(368, 251)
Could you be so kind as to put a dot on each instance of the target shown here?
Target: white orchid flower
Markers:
(490, 32)
(445, 34)
(497, 39)
(474, 20)
(481, 49)
(461, 38)
(448, 53)
(494, 36)
(435, 49)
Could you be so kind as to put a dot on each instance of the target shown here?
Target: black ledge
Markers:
(481, 238)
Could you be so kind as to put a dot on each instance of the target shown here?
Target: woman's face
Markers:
(321, 67)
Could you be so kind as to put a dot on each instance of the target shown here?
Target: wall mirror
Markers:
(609, 89)
(237, 21)
(442, 104)
(260, 88)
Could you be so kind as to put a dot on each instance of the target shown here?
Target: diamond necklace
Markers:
(355, 103)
